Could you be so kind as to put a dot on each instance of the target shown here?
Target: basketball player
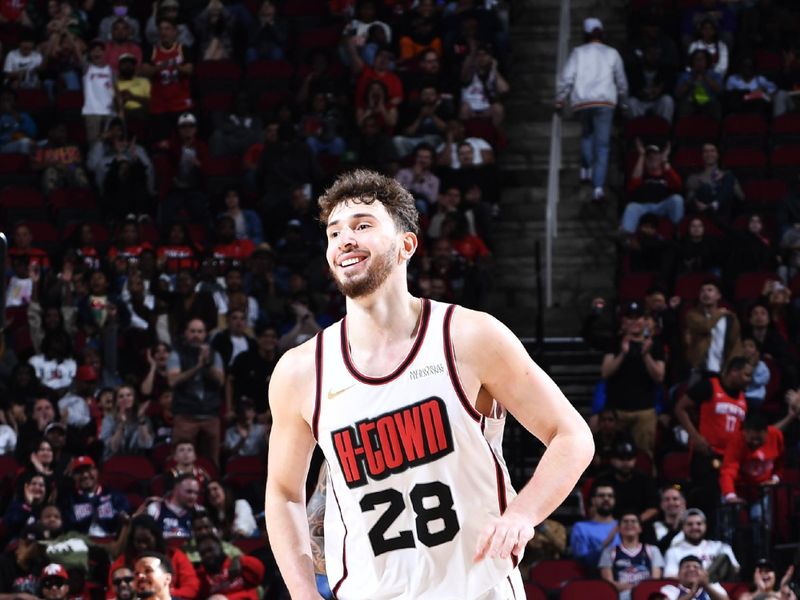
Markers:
(399, 396)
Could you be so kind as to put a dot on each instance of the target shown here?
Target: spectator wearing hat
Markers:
(62, 439)
(188, 155)
(20, 569)
(169, 70)
(752, 463)
(99, 103)
(654, 188)
(630, 562)
(633, 370)
(588, 538)
(89, 508)
(693, 583)
(122, 43)
(594, 80)
(169, 9)
(634, 491)
(54, 582)
(133, 90)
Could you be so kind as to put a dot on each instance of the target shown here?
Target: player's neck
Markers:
(389, 314)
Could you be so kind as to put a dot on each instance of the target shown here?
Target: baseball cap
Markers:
(652, 148)
(632, 309)
(126, 56)
(690, 558)
(263, 248)
(81, 461)
(55, 570)
(294, 223)
(54, 425)
(187, 118)
(86, 373)
(592, 23)
(624, 449)
(765, 563)
(694, 512)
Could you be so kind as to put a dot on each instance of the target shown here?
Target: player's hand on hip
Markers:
(504, 536)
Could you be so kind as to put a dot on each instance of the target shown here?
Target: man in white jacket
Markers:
(594, 80)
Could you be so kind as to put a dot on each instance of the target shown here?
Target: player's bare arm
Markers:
(291, 443)
(316, 519)
(490, 356)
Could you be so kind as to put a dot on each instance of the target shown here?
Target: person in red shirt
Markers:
(128, 246)
(381, 70)
(654, 188)
(170, 70)
(179, 252)
(121, 44)
(753, 462)
(23, 246)
(722, 407)
(236, 578)
(229, 250)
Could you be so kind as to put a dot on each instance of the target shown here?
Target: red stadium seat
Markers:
(17, 196)
(99, 232)
(735, 589)
(744, 129)
(33, 101)
(696, 129)
(218, 70)
(304, 8)
(250, 545)
(551, 575)
(269, 101)
(321, 37)
(44, 234)
(121, 481)
(13, 163)
(688, 159)
(634, 286)
(268, 76)
(765, 191)
(160, 454)
(647, 129)
(138, 465)
(644, 588)
(785, 128)
(768, 63)
(534, 592)
(675, 467)
(746, 162)
(217, 102)
(687, 286)
(69, 103)
(596, 589)
(785, 160)
(750, 285)
(245, 464)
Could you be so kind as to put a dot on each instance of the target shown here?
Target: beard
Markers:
(366, 283)
(604, 511)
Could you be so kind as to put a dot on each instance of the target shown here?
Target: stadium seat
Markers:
(765, 191)
(534, 592)
(9, 468)
(644, 588)
(217, 76)
(696, 129)
(269, 101)
(675, 467)
(688, 285)
(745, 162)
(33, 101)
(687, 160)
(44, 234)
(304, 8)
(138, 465)
(216, 102)
(69, 104)
(251, 544)
(245, 464)
(744, 129)
(768, 63)
(99, 232)
(785, 160)
(481, 128)
(13, 163)
(268, 76)
(634, 286)
(552, 575)
(735, 589)
(749, 286)
(160, 454)
(22, 197)
(596, 589)
(123, 481)
(648, 129)
(785, 129)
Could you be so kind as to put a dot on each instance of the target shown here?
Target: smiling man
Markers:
(152, 576)
(407, 399)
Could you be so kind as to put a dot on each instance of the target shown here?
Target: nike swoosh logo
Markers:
(332, 394)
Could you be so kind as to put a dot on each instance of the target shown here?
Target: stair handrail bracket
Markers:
(554, 164)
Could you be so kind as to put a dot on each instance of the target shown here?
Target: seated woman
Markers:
(127, 430)
(26, 505)
(232, 517)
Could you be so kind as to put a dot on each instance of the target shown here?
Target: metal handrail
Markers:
(554, 164)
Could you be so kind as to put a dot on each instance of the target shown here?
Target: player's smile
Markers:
(351, 260)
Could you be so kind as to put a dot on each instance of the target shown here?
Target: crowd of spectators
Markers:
(699, 395)
(158, 170)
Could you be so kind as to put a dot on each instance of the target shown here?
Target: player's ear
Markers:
(409, 245)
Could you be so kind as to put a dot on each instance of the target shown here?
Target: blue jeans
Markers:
(671, 207)
(596, 132)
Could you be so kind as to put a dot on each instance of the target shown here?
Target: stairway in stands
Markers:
(584, 254)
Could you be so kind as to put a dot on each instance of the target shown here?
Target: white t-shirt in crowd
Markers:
(54, 374)
(98, 91)
(478, 144)
(15, 61)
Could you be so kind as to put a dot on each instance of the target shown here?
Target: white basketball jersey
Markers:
(415, 472)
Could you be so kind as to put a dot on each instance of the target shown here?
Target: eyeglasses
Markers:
(121, 580)
(51, 583)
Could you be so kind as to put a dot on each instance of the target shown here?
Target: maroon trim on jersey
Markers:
(449, 358)
(348, 361)
(318, 392)
(335, 589)
(502, 501)
(511, 583)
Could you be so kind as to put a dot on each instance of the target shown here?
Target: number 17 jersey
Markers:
(415, 472)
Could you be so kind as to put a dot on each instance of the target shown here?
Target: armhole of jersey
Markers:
(450, 359)
(318, 387)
